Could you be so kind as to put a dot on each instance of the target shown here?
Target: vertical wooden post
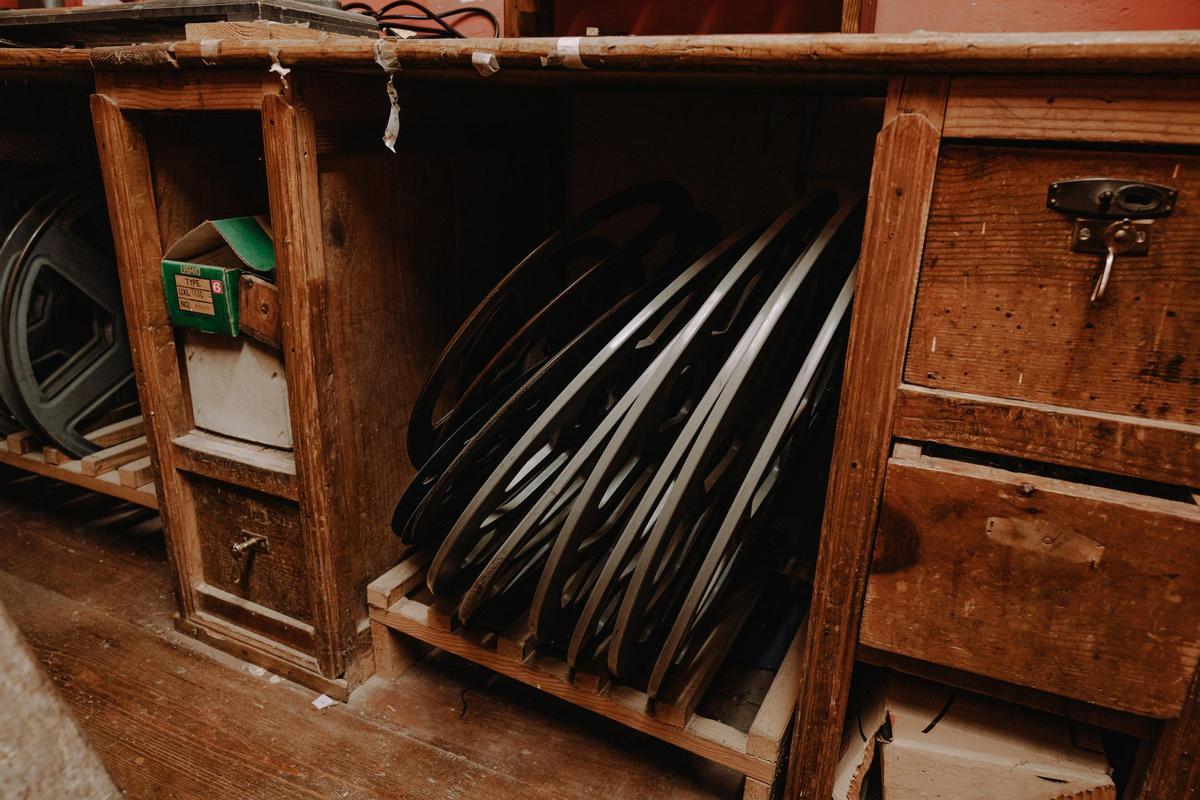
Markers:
(901, 188)
(125, 164)
(290, 150)
(1173, 768)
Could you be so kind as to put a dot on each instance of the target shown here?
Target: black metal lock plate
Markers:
(1112, 198)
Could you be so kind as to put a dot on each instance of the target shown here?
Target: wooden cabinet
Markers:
(273, 547)
(1012, 503)
(974, 340)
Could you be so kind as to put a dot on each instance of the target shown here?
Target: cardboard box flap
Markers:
(247, 238)
(933, 741)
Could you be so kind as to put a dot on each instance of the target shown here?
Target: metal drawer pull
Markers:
(1122, 236)
(1104, 199)
(243, 553)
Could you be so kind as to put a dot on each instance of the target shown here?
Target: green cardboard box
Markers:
(202, 270)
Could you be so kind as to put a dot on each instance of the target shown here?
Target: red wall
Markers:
(650, 17)
(899, 16)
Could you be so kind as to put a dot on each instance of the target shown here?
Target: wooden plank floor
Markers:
(174, 719)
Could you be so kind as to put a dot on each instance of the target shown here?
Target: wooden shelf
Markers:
(398, 617)
(121, 469)
(265, 469)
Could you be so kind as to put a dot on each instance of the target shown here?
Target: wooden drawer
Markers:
(277, 580)
(1003, 306)
(1087, 592)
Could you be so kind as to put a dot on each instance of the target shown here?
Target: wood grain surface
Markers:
(1079, 590)
(1003, 304)
(173, 718)
(901, 185)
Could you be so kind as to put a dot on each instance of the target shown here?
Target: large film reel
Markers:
(65, 356)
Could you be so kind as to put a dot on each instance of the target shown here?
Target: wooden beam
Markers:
(117, 432)
(290, 151)
(1157, 450)
(1111, 52)
(900, 193)
(129, 190)
(110, 458)
(137, 473)
(109, 484)
(1165, 110)
(1173, 768)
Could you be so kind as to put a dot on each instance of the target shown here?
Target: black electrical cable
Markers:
(444, 29)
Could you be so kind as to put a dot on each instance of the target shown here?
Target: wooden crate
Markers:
(404, 620)
(122, 468)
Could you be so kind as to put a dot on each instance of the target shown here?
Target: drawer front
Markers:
(1003, 306)
(278, 579)
(1086, 592)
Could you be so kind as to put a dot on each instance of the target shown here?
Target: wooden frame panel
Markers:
(901, 188)
(125, 164)
(1158, 110)
(290, 176)
(1157, 450)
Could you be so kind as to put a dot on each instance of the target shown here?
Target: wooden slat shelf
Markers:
(398, 617)
(123, 461)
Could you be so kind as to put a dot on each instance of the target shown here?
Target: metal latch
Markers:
(1109, 228)
(243, 552)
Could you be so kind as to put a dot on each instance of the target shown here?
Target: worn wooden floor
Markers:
(173, 719)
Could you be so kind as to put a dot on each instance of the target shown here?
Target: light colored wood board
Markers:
(265, 469)
(258, 30)
(46, 754)
(1003, 304)
(901, 187)
(756, 790)
(399, 580)
(1074, 589)
(1115, 52)
(118, 432)
(707, 738)
(55, 457)
(679, 697)
(778, 708)
(20, 442)
(394, 654)
(906, 450)
(110, 458)
(70, 473)
(517, 642)
(1157, 450)
(591, 680)
(188, 90)
(1165, 110)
